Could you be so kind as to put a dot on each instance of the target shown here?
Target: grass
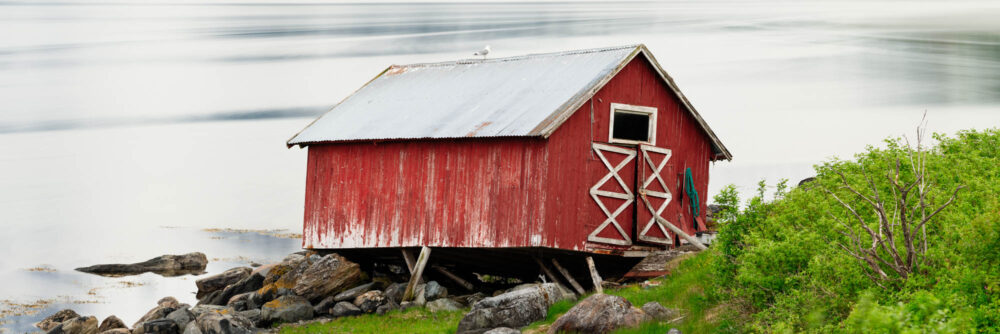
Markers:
(414, 320)
(684, 289)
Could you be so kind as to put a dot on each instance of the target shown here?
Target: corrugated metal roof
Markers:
(499, 97)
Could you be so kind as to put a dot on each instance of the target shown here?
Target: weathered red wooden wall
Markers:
(639, 84)
(504, 192)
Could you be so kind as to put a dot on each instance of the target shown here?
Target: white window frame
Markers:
(632, 109)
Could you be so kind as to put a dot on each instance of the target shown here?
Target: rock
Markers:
(249, 284)
(369, 301)
(166, 265)
(502, 330)
(54, 320)
(168, 302)
(252, 315)
(469, 300)
(658, 312)
(598, 313)
(215, 323)
(78, 325)
(201, 309)
(444, 304)
(343, 309)
(111, 322)
(182, 317)
(434, 291)
(567, 294)
(407, 305)
(513, 309)
(418, 295)
(159, 312)
(221, 281)
(191, 328)
(350, 294)
(674, 331)
(210, 298)
(286, 273)
(241, 302)
(117, 331)
(395, 292)
(387, 307)
(324, 306)
(286, 309)
(329, 275)
(159, 326)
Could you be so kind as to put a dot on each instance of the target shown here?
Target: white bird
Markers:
(485, 51)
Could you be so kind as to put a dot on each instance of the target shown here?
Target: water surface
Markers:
(128, 127)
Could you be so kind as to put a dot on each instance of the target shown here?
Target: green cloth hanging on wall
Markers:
(692, 194)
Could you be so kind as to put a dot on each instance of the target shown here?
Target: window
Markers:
(632, 124)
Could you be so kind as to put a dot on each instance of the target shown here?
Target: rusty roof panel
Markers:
(501, 97)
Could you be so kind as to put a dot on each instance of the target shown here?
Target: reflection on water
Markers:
(121, 119)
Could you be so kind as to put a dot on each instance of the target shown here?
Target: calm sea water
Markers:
(128, 127)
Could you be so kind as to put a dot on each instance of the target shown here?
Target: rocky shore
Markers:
(308, 286)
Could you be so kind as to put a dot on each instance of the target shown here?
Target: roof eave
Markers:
(289, 143)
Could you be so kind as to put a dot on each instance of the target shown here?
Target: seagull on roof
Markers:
(485, 51)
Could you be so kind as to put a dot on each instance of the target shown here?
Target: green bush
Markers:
(778, 260)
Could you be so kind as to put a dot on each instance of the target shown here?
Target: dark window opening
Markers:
(631, 126)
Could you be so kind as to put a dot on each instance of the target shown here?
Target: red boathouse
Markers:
(545, 155)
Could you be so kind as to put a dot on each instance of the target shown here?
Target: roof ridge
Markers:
(471, 61)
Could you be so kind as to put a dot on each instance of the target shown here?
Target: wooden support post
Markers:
(418, 270)
(568, 277)
(410, 262)
(694, 241)
(548, 273)
(594, 276)
(465, 284)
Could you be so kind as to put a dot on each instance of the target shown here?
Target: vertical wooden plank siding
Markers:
(500, 192)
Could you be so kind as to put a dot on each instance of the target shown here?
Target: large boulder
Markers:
(111, 322)
(201, 309)
(502, 330)
(221, 281)
(344, 309)
(395, 292)
(469, 300)
(117, 331)
(78, 325)
(658, 312)
(513, 309)
(159, 326)
(286, 309)
(599, 313)
(444, 304)
(215, 323)
(329, 275)
(252, 315)
(434, 291)
(163, 307)
(369, 301)
(182, 317)
(166, 265)
(350, 294)
(324, 306)
(249, 284)
(54, 320)
(243, 301)
(387, 307)
(191, 328)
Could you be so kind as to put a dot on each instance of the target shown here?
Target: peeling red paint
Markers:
(504, 192)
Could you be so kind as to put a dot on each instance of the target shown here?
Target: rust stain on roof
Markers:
(394, 70)
(478, 127)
